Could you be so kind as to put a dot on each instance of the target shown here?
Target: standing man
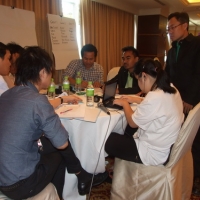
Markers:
(127, 83)
(4, 66)
(183, 68)
(88, 68)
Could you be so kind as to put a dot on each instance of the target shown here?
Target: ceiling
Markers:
(169, 5)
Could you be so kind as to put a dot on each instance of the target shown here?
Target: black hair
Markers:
(154, 69)
(32, 60)
(89, 48)
(182, 17)
(131, 48)
(15, 48)
(3, 49)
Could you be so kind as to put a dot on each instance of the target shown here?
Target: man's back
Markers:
(24, 115)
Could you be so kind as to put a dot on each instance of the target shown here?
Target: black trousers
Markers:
(51, 168)
(122, 146)
(195, 154)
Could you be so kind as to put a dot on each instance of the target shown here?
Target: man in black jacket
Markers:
(127, 83)
(183, 68)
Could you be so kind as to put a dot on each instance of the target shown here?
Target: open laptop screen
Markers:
(109, 90)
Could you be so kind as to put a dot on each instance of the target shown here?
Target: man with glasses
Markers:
(183, 67)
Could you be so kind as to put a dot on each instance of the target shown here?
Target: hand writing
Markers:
(71, 99)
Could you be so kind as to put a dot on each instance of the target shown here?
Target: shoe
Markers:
(84, 187)
(196, 187)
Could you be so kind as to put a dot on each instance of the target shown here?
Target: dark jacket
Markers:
(121, 78)
(184, 72)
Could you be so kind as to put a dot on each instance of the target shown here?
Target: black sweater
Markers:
(184, 72)
(121, 78)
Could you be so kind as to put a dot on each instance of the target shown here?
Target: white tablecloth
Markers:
(87, 140)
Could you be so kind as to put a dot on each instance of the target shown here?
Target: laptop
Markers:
(109, 95)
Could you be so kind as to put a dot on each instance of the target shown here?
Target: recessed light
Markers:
(191, 2)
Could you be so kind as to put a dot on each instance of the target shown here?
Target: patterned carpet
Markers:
(102, 192)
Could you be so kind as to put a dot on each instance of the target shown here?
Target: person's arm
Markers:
(63, 146)
(84, 84)
(70, 71)
(99, 82)
(127, 110)
(133, 99)
(72, 80)
(66, 99)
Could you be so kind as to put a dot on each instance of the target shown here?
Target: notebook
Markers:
(109, 95)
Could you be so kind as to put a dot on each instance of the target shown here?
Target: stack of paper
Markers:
(71, 111)
(91, 114)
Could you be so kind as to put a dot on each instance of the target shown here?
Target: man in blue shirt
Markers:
(25, 116)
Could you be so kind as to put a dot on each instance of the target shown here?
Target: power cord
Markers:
(98, 158)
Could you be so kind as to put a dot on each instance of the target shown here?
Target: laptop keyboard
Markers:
(109, 104)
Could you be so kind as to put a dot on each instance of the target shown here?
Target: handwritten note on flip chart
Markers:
(63, 39)
(17, 25)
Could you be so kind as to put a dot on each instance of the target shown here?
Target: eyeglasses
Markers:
(172, 28)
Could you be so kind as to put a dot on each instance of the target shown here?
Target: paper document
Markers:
(91, 114)
(71, 111)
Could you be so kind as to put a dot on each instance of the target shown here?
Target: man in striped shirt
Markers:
(88, 68)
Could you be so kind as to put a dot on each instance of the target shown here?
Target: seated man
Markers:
(4, 66)
(127, 83)
(27, 116)
(88, 68)
(15, 51)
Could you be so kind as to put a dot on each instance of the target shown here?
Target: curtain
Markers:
(41, 9)
(107, 28)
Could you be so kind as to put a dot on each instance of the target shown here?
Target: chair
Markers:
(171, 182)
(48, 193)
(112, 73)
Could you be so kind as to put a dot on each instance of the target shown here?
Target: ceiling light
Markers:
(191, 2)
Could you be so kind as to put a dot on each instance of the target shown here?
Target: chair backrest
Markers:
(186, 136)
(112, 73)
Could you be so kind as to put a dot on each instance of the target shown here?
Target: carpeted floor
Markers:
(102, 192)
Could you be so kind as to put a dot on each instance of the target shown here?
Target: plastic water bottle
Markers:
(90, 94)
(65, 85)
(78, 82)
(51, 90)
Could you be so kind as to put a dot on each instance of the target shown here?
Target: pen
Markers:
(65, 111)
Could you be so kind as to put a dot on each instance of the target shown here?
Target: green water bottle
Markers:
(78, 82)
(90, 94)
(51, 90)
(66, 85)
